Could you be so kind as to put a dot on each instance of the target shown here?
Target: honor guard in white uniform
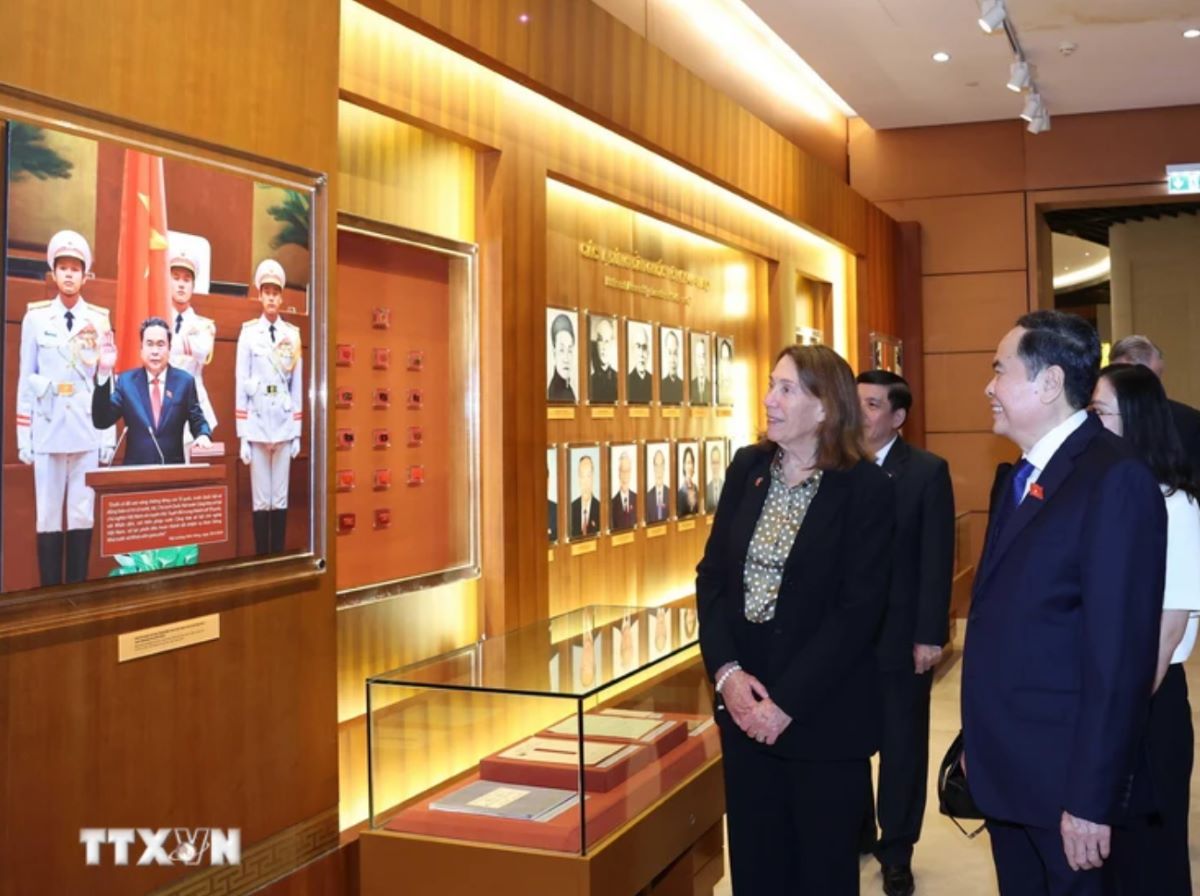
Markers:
(192, 336)
(270, 407)
(60, 345)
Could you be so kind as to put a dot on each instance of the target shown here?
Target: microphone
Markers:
(162, 460)
(117, 447)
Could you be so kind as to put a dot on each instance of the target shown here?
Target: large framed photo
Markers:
(164, 316)
(604, 361)
(700, 386)
(583, 519)
(687, 497)
(623, 488)
(725, 386)
(670, 384)
(562, 356)
(659, 498)
(639, 340)
(715, 462)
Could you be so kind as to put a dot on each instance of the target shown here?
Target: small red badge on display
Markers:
(344, 355)
(415, 399)
(415, 436)
(381, 438)
(381, 318)
(1035, 491)
(346, 522)
(383, 518)
(383, 479)
(416, 360)
(344, 439)
(382, 358)
(345, 480)
(345, 398)
(416, 475)
(382, 398)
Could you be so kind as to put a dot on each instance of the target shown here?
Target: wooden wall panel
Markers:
(973, 457)
(238, 732)
(967, 233)
(647, 96)
(954, 396)
(970, 312)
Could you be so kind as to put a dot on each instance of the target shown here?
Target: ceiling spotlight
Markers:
(1039, 123)
(941, 56)
(1020, 76)
(1033, 106)
(991, 15)
(1192, 33)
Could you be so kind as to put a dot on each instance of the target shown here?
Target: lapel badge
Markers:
(1035, 491)
(758, 482)
(170, 394)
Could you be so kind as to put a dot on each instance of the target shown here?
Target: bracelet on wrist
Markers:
(724, 676)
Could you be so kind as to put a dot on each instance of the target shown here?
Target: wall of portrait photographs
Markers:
(652, 360)
(158, 386)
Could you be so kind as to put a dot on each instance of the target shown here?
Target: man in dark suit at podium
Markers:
(155, 400)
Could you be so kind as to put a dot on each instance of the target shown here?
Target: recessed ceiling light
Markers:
(941, 56)
(1192, 33)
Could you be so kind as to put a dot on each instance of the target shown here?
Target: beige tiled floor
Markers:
(948, 864)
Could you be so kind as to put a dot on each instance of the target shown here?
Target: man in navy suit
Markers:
(156, 400)
(1062, 636)
(585, 510)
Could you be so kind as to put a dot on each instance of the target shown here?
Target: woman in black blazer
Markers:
(790, 593)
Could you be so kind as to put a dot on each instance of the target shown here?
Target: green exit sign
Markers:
(1183, 178)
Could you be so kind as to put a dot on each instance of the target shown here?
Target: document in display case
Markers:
(499, 744)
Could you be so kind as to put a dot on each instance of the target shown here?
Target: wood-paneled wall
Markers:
(975, 190)
(237, 732)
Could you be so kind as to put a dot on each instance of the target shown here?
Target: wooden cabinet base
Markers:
(654, 853)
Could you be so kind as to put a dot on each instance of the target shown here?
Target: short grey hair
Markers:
(1135, 350)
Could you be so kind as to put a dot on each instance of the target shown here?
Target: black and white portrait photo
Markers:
(562, 386)
(670, 386)
(603, 360)
(639, 343)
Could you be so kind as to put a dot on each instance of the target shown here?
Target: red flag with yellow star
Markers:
(142, 275)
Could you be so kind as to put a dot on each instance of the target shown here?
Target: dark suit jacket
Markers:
(130, 399)
(593, 527)
(618, 517)
(637, 388)
(652, 514)
(918, 609)
(670, 390)
(1187, 422)
(1062, 637)
(602, 386)
(700, 395)
(559, 389)
(816, 657)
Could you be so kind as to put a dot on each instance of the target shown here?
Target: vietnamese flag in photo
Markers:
(142, 277)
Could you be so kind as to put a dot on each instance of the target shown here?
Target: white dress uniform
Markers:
(270, 405)
(192, 341)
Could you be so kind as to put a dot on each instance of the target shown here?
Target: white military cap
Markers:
(269, 271)
(181, 258)
(68, 244)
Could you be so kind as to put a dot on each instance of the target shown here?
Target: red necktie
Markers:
(155, 400)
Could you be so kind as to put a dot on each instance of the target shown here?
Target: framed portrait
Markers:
(145, 281)
(716, 459)
(562, 356)
(623, 487)
(887, 353)
(672, 374)
(604, 361)
(552, 494)
(659, 499)
(725, 385)
(700, 386)
(639, 366)
(584, 475)
(687, 495)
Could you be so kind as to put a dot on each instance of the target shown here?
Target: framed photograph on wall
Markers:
(687, 496)
(725, 383)
(700, 386)
(552, 494)
(604, 361)
(659, 499)
(639, 342)
(672, 374)
(166, 312)
(623, 487)
(562, 356)
(584, 475)
(715, 461)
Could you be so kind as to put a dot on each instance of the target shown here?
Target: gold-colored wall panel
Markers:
(393, 172)
(971, 312)
(973, 457)
(964, 234)
(954, 396)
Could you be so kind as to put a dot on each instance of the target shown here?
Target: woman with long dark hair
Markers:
(790, 592)
(1153, 857)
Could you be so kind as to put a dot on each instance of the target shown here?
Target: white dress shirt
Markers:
(1182, 590)
(882, 453)
(1047, 446)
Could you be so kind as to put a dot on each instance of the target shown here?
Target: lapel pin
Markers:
(758, 482)
(169, 395)
(1035, 491)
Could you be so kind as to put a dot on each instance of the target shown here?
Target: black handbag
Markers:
(954, 796)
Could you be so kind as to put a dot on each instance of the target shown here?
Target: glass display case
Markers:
(551, 737)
